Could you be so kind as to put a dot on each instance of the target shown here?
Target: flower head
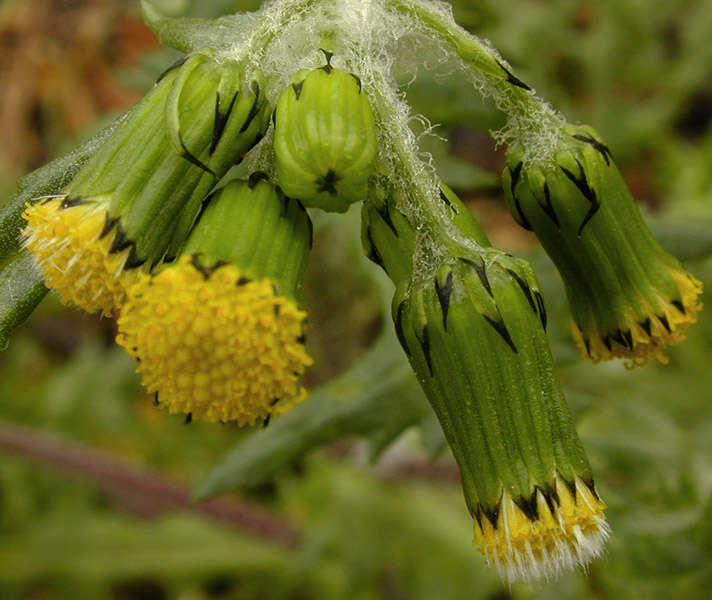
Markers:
(629, 298)
(217, 332)
(324, 138)
(472, 321)
(646, 332)
(214, 343)
(136, 198)
(557, 530)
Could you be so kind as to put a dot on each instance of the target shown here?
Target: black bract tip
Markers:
(481, 273)
(515, 175)
(254, 109)
(444, 296)
(398, 323)
(501, 329)
(581, 182)
(512, 79)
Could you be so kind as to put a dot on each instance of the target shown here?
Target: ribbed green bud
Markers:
(136, 199)
(473, 323)
(629, 298)
(324, 139)
(218, 332)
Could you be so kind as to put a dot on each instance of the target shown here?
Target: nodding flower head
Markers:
(629, 298)
(218, 332)
(471, 320)
(136, 198)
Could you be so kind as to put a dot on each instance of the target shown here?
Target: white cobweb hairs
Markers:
(367, 38)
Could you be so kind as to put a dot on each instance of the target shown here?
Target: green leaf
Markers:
(191, 33)
(20, 292)
(378, 397)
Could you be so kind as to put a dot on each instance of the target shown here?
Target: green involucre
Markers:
(254, 226)
(627, 294)
(475, 336)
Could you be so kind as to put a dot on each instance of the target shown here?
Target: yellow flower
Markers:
(215, 344)
(556, 532)
(135, 200)
(646, 337)
(77, 254)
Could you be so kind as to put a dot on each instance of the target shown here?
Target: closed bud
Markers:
(135, 200)
(218, 332)
(324, 138)
(629, 298)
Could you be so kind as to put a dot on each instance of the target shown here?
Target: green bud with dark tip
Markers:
(199, 120)
(325, 139)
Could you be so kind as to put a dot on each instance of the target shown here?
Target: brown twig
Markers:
(140, 490)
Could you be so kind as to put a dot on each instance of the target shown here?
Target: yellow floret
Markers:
(66, 240)
(214, 344)
(647, 338)
(570, 531)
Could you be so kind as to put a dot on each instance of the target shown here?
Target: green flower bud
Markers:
(218, 332)
(472, 322)
(324, 139)
(629, 298)
(136, 199)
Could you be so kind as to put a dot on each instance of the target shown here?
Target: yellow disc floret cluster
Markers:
(215, 344)
(647, 338)
(65, 236)
(570, 530)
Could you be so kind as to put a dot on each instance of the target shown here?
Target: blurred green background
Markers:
(352, 494)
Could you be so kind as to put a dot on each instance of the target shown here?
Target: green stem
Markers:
(271, 24)
(532, 124)
(468, 47)
(149, 492)
(434, 229)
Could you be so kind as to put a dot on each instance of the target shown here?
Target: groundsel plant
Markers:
(205, 274)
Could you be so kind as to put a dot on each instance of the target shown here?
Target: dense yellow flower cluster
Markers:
(215, 344)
